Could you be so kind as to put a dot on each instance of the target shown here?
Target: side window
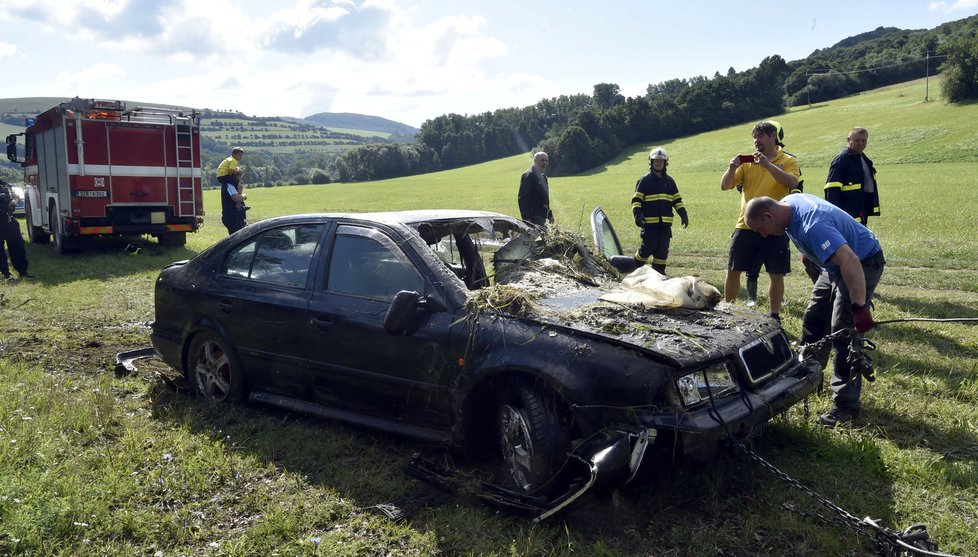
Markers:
(279, 256)
(364, 262)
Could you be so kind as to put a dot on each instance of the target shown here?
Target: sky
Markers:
(409, 60)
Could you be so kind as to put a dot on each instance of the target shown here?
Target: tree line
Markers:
(583, 131)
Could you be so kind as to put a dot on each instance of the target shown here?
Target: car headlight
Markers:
(697, 386)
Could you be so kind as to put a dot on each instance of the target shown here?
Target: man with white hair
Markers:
(534, 195)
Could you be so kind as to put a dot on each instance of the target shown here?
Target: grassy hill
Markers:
(347, 120)
(122, 465)
(320, 133)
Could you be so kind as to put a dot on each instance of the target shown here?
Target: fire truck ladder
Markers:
(186, 196)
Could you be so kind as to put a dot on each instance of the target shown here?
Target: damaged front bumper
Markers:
(611, 457)
(607, 459)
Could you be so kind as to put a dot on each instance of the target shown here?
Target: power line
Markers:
(809, 72)
(893, 65)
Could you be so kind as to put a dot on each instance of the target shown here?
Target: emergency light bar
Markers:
(106, 105)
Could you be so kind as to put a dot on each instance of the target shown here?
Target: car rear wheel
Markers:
(215, 369)
(531, 437)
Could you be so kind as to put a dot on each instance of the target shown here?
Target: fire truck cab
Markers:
(93, 167)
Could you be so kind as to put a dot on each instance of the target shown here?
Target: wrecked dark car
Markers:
(476, 331)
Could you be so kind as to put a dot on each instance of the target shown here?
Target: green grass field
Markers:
(95, 464)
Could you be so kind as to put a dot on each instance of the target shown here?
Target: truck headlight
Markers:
(695, 387)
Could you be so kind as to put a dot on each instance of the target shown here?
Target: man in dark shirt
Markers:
(10, 235)
(534, 195)
(851, 183)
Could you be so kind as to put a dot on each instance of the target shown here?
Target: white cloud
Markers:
(7, 50)
(955, 6)
(97, 80)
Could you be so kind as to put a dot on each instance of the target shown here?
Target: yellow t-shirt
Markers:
(227, 166)
(757, 181)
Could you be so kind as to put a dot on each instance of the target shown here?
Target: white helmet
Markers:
(658, 153)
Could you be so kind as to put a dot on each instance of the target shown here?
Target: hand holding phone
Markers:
(745, 158)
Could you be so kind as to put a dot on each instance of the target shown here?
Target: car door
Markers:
(260, 296)
(354, 363)
(606, 242)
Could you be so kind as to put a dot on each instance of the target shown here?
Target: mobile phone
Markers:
(745, 158)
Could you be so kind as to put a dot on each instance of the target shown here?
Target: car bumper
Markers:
(168, 346)
(701, 430)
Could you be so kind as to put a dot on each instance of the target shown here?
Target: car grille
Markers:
(766, 356)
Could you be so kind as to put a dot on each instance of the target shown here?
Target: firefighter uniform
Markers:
(652, 206)
(851, 185)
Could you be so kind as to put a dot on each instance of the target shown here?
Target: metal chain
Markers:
(914, 541)
(859, 358)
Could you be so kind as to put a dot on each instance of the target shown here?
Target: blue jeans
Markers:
(824, 308)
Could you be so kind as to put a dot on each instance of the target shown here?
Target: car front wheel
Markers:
(215, 369)
(531, 437)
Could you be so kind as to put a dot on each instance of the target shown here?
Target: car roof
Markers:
(410, 218)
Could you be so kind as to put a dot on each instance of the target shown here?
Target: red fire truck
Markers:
(93, 167)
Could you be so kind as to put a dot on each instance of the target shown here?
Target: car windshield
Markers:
(484, 251)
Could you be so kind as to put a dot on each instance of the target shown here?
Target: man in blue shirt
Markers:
(852, 263)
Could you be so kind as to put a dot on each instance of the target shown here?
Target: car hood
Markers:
(563, 293)
(685, 336)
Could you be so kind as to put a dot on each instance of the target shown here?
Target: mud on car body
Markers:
(472, 330)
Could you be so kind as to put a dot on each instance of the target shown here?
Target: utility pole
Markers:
(927, 78)
(808, 88)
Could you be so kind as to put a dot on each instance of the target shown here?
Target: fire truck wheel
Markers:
(214, 368)
(35, 234)
(172, 238)
(62, 245)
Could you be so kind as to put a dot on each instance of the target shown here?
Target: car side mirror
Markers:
(403, 308)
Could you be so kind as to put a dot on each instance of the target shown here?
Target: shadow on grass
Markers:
(693, 508)
(953, 445)
(101, 258)
(933, 310)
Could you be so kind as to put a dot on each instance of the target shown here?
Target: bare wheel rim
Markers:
(516, 444)
(212, 371)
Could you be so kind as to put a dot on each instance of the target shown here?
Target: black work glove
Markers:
(684, 218)
(639, 220)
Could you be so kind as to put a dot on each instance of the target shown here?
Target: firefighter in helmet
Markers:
(656, 195)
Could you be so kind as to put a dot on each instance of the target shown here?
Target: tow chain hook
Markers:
(859, 359)
(911, 542)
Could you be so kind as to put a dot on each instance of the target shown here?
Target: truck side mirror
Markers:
(12, 147)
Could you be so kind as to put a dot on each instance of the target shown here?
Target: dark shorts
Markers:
(746, 246)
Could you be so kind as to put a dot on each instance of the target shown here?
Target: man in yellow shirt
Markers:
(772, 173)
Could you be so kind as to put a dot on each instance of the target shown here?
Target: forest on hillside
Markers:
(582, 131)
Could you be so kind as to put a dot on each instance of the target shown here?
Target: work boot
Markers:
(751, 291)
(836, 416)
